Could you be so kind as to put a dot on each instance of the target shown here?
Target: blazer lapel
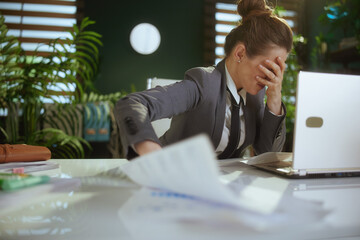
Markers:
(221, 106)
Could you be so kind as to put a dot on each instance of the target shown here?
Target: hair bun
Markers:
(250, 8)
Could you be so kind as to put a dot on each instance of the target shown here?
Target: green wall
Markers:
(181, 29)
(313, 10)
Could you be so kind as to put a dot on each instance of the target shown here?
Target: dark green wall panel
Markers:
(181, 28)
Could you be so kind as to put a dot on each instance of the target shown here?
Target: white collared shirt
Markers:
(227, 123)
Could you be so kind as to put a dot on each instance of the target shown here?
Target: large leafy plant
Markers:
(289, 83)
(26, 82)
(289, 87)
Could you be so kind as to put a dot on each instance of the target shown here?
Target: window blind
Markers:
(35, 22)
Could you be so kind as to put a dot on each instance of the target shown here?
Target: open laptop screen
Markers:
(327, 121)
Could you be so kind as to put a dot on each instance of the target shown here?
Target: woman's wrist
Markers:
(275, 106)
(146, 146)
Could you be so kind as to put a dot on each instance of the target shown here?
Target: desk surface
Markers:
(92, 203)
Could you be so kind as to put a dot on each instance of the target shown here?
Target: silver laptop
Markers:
(327, 129)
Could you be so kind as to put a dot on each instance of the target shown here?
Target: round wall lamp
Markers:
(145, 38)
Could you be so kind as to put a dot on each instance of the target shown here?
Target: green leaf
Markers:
(62, 144)
(88, 43)
(91, 33)
(91, 38)
(76, 29)
(86, 22)
(88, 51)
(3, 132)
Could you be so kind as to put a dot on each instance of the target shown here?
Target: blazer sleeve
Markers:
(272, 133)
(135, 112)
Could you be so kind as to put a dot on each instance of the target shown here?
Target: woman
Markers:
(205, 101)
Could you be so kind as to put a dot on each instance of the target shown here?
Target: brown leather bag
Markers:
(23, 153)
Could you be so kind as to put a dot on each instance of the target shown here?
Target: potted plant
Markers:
(26, 81)
(290, 82)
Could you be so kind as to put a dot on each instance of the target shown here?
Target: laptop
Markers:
(327, 129)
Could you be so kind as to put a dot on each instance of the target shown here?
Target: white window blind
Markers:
(35, 23)
(39, 21)
(226, 18)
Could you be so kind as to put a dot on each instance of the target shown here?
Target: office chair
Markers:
(162, 125)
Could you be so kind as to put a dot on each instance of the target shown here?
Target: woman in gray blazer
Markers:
(206, 100)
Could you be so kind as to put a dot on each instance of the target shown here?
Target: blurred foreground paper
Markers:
(183, 189)
(188, 167)
(165, 215)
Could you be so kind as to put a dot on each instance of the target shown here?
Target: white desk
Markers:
(95, 209)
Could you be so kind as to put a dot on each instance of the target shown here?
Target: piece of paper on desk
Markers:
(29, 167)
(262, 158)
(269, 157)
(188, 167)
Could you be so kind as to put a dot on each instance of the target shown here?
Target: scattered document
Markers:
(183, 188)
(28, 167)
(188, 167)
(269, 157)
(114, 178)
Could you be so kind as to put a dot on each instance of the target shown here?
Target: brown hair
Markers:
(259, 28)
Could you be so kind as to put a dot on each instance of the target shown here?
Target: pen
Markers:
(9, 181)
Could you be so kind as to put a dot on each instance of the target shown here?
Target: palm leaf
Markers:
(90, 44)
(86, 22)
(91, 38)
(89, 60)
(91, 33)
(3, 132)
(61, 144)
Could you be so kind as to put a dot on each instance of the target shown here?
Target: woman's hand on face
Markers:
(146, 146)
(274, 73)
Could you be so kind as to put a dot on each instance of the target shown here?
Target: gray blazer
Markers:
(197, 105)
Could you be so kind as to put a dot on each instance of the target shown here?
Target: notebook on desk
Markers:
(326, 135)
